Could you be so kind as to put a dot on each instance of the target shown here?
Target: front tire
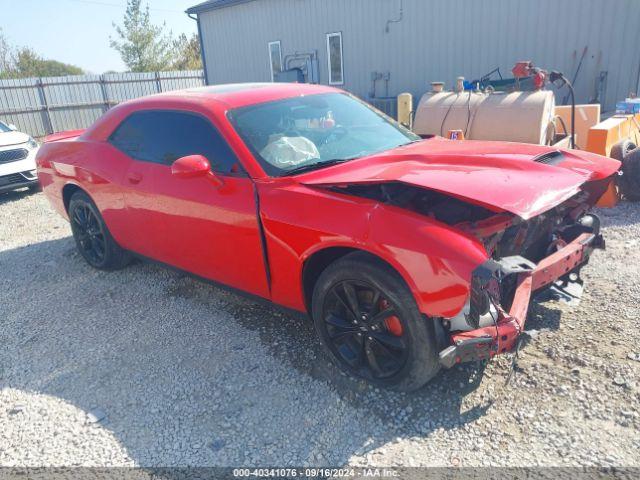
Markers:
(92, 237)
(367, 319)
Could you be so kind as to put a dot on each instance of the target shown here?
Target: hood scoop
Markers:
(551, 158)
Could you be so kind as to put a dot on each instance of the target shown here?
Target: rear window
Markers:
(164, 136)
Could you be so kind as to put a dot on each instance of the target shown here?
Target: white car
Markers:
(17, 159)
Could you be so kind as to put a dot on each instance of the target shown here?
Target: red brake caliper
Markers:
(392, 322)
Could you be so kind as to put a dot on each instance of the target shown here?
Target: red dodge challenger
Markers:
(409, 254)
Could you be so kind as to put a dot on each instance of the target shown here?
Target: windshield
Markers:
(304, 133)
(4, 128)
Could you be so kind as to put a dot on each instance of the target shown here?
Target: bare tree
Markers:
(6, 54)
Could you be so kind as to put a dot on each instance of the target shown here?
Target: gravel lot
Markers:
(149, 367)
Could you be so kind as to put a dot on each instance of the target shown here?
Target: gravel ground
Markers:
(149, 367)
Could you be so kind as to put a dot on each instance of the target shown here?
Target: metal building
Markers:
(379, 48)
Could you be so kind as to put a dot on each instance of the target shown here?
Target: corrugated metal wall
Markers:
(40, 106)
(435, 40)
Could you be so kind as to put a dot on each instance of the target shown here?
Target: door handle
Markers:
(134, 177)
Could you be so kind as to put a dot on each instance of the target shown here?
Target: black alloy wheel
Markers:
(89, 233)
(364, 329)
(93, 239)
(368, 320)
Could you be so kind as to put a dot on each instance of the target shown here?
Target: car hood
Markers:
(12, 138)
(523, 179)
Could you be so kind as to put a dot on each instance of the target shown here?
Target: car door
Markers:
(130, 142)
(206, 225)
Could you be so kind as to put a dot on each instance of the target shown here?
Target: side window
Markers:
(275, 58)
(334, 58)
(163, 137)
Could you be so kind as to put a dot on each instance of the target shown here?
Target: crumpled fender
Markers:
(435, 260)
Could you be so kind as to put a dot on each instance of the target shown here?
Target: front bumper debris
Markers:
(486, 342)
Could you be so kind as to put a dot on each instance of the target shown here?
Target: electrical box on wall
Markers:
(293, 75)
(300, 67)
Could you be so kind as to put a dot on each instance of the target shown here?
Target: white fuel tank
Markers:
(514, 117)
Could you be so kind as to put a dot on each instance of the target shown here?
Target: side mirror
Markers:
(191, 166)
(12, 127)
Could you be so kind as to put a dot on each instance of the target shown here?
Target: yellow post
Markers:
(405, 109)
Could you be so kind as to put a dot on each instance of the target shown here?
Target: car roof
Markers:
(212, 98)
(236, 95)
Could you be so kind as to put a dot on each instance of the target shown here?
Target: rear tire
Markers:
(629, 181)
(93, 239)
(367, 319)
(621, 149)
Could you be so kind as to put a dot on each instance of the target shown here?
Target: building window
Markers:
(334, 56)
(275, 56)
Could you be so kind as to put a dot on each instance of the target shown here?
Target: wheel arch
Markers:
(67, 192)
(320, 259)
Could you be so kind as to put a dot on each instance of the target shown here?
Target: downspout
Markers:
(202, 55)
(637, 92)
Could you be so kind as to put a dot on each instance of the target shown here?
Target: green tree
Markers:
(29, 64)
(187, 53)
(144, 47)
(23, 62)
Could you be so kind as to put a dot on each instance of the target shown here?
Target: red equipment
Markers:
(526, 69)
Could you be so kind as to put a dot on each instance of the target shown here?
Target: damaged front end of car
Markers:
(527, 206)
(545, 252)
(526, 257)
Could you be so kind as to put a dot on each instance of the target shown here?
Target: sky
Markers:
(77, 31)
